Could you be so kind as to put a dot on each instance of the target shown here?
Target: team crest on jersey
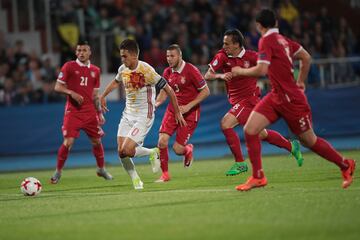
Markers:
(215, 62)
(136, 81)
(246, 64)
(77, 72)
(61, 75)
(92, 74)
(183, 80)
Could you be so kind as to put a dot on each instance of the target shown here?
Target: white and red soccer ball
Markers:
(30, 186)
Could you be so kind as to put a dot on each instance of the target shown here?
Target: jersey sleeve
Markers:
(217, 62)
(166, 74)
(64, 74)
(295, 47)
(151, 75)
(197, 79)
(265, 53)
(118, 77)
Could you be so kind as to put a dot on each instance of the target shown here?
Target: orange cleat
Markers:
(188, 159)
(252, 183)
(165, 177)
(348, 173)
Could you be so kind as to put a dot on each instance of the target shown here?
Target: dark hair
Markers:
(83, 42)
(266, 18)
(237, 36)
(130, 45)
(175, 47)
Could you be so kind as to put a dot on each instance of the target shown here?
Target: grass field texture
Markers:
(198, 203)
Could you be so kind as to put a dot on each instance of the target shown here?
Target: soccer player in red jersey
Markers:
(286, 99)
(243, 94)
(190, 89)
(80, 81)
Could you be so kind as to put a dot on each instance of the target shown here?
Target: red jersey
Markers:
(278, 51)
(241, 87)
(186, 82)
(82, 79)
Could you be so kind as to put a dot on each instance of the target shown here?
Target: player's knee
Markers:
(178, 149)
(224, 124)
(95, 141)
(162, 143)
(248, 129)
(68, 143)
(307, 141)
(126, 152)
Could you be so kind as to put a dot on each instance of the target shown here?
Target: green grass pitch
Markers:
(199, 203)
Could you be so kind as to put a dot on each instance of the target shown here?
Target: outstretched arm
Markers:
(62, 88)
(211, 75)
(305, 61)
(160, 98)
(109, 88)
(259, 70)
(96, 100)
(179, 118)
(204, 93)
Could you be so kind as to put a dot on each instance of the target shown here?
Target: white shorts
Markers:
(135, 127)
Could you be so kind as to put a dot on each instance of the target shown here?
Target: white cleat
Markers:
(138, 184)
(154, 159)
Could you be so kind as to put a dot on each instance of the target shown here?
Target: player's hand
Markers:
(103, 104)
(227, 76)
(236, 71)
(180, 120)
(301, 85)
(101, 118)
(184, 109)
(77, 97)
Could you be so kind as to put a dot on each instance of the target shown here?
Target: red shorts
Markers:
(296, 114)
(183, 134)
(242, 109)
(74, 122)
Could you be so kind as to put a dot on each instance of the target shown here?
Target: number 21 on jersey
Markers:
(84, 81)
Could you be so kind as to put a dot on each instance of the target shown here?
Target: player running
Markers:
(286, 99)
(243, 95)
(190, 89)
(80, 81)
(139, 80)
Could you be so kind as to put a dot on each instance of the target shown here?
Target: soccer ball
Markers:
(30, 186)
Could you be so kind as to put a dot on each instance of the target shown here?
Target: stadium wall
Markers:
(37, 128)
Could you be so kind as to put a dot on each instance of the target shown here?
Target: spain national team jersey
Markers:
(186, 82)
(82, 79)
(139, 88)
(279, 51)
(238, 88)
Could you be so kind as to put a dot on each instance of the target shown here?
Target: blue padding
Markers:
(37, 128)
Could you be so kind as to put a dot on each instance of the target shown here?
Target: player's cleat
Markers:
(101, 172)
(56, 177)
(165, 177)
(296, 152)
(348, 173)
(138, 184)
(252, 183)
(154, 159)
(188, 158)
(237, 168)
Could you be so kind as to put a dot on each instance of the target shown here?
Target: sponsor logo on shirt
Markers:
(215, 62)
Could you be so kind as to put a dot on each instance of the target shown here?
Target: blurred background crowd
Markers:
(196, 25)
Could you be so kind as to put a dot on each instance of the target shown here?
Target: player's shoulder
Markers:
(250, 53)
(121, 68)
(145, 65)
(167, 71)
(221, 53)
(94, 67)
(71, 64)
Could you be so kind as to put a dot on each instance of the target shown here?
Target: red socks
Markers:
(61, 157)
(98, 152)
(164, 159)
(325, 150)
(233, 141)
(253, 145)
(277, 139)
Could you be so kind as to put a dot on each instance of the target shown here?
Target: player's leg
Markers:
(98, 151)
(228, 122)
(164, 157)
(62, 155)
(324, 149)
(278, 140)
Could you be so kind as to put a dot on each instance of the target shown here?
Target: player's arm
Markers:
(62, 88)
(109, 88)
(160, 99)
(212, 75)
(97, 104)
(259, 70)
(204, 93)
(305, 61)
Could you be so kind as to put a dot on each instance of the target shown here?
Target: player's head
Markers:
(233, 42)
(83, 51)
(129, 52)
(174, 55)
(265, 19)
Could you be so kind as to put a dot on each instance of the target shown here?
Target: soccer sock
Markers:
(142, 151)
(277, 139)
(164, 159)
(98, 151)
(253, 145)
(129, 166)
(233, 141)
(187, 150)
(61, 157)
(325, 150)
